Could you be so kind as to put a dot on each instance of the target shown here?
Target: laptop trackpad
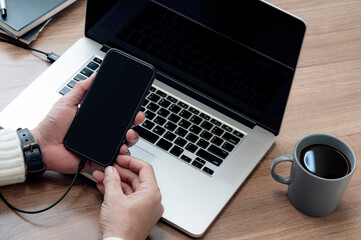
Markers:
(141, 154)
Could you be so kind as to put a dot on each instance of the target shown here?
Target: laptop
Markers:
(224, 73)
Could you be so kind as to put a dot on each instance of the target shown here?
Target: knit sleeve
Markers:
(12, 167)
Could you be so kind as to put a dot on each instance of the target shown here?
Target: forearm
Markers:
(12, 167)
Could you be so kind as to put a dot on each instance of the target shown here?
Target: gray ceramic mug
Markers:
(311, 194)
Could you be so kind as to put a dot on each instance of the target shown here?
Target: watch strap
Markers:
(32, 153)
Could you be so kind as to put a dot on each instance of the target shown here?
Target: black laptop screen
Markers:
(240, 54)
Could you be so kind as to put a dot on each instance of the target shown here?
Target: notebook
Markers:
(24, 15)
(224, 73)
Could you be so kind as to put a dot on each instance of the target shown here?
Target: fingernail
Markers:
(109, 170)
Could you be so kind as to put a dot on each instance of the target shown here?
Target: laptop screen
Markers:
(239, 55)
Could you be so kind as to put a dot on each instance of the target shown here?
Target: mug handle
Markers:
(277, 160)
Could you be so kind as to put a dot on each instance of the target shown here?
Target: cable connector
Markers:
(52, 57)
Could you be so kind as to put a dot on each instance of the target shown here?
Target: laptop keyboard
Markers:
(174, 126)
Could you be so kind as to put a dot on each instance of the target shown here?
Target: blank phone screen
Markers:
(109, 108)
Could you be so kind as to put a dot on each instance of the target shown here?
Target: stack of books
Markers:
(25, 19)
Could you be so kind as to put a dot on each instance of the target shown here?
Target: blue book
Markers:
(24, 15)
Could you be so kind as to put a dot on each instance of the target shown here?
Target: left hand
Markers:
(50, 133)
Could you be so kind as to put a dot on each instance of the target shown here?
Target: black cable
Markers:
(80, 167)
(52, 57)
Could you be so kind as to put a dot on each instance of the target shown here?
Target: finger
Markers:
(128, 176)
(123, 150)
(112, 185)
(144, 169)
(101, 188)
(132, 137)
(76, 96)
(139, 118)
(127, 189)
(98, 176)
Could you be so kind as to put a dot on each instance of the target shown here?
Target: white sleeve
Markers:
(12, 167)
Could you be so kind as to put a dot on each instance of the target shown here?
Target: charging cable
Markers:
(52, 57)
(80, 167)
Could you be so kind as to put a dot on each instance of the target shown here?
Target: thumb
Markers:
(112, 184)
(77, 94)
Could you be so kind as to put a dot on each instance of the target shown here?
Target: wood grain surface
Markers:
(325, 98)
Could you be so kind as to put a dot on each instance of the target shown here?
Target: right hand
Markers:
(132, 199)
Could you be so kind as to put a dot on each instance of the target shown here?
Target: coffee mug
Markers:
(322, 166)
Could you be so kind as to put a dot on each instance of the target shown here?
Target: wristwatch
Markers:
(31, 151)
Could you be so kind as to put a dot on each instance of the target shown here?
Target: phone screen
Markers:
(109, 107)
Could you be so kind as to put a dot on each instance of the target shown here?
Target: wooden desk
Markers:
(325, 98)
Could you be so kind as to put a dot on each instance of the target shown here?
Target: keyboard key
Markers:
(149, 114)
(64, 90)
(206, 125)
(227, 146)
(200, 160)
(158, 130)
(217, 151)
(164, 144)
(174, 108)
(97, 60)
(169, 136)
(182, 104)
(238, 134)
(146, 101)
(208, 170)
(193, 110)
(217, 131)
(184, 124)
(185, 114)
(209, 157)
(195, 129)
(174, 118)
(170, 126)
(227, 128)
(147, 135)
(217, 141)
(206, 135)
(215, 122)
(160, 93)
(148, 124)
(153, 107)
(93, 65)
(230, 138)
(192, 138)
(79, 77)
(164, 103)
(186, 159)
(181, 131)
(159, 120)
(71, 84)
(177, 151)
(191, 147)
(154, 98)
(204, 116)
(197, 164)
(202, 143)
(196, 120)
(172, 99)
(152, 89)
(180, 142)
(163, 112)
(87, 72)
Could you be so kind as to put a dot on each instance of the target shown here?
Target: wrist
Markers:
(37, 137)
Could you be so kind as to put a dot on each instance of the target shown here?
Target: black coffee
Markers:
(324, 161)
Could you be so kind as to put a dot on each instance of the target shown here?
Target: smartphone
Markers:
(109, 107)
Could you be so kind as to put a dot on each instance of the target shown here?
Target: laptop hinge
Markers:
(105, 48)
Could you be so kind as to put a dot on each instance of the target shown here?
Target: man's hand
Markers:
(132, 199)
(50, 133)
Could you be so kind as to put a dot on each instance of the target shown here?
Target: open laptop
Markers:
(225, 70)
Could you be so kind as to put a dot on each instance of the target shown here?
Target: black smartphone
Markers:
(109, 107)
